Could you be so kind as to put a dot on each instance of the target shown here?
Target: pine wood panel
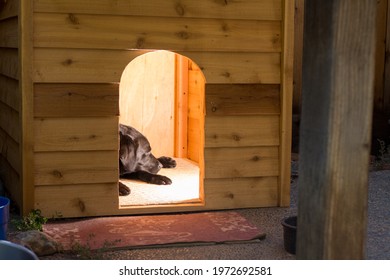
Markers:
(75, 134)
(181, 101)
(196, 117)
(67, 168)
(147, 99)
(241, 192)
(77, 200)
(98, 66)
(250, 9)
(242, 99)
(9, 33)
(241, 131)
(76, 100)
(10, 9)
(120, 32)
(241, 162)
(9, 90)
(9, 63)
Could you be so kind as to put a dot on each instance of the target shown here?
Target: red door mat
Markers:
(157, 230)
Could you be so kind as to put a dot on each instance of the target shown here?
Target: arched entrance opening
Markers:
(162, 96)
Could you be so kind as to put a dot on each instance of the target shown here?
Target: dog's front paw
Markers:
(123, 189)
(167, 162)
(160, 180)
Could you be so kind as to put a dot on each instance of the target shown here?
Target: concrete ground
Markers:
(269, 219)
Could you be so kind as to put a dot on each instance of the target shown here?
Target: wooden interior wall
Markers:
(80, 51)
(10, 100)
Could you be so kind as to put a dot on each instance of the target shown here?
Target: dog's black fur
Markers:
(137, 162)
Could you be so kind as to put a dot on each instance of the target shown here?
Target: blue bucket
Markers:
(4, 217)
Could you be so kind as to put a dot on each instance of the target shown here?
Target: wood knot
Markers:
(226, 74)
(57, 174)
(256, 158)
(74, 138)
(183, 35)
(230, 195)
(67, 62)
(180, 9)
(73, 19)
(140, 43)
(81, 205)
(214, 109)
(236, 137)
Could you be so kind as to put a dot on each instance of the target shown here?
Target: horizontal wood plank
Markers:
(62, 168)
(76, 100)
(242, 99)
(241, 162)
(9, 33)
(241, 131)
(9, 62)
(9, 150)
(10, 9)
(9, 92)
(121, 32)
(77, 200)
(241, 192)
(75, 134)
(250, 9)
(106, 66)
(10, 122)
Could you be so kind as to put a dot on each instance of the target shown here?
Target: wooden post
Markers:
(338, 75)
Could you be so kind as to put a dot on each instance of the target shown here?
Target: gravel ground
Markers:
(269, 219)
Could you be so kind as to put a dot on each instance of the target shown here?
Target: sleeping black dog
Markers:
(137, 162)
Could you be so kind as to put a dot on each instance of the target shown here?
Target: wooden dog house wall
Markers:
(60, 67)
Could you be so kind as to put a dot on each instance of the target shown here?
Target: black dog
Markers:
(137, 162)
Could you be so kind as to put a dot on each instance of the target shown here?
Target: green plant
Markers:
(384, 152)
(33, 221)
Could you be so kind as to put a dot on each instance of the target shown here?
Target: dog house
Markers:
(71, 70)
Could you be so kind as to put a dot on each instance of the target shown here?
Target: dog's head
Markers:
(135, 153)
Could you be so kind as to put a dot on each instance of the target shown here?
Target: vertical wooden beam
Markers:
(26, 110)
(181, 105)
(338, 76)
(386, 91)
(298, 51)
(286, 102)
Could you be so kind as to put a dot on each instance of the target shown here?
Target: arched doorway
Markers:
(162, 96)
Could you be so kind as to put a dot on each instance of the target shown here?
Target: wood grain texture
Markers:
(233, 193)
(241, 162)
(9, 94)
(147, 99)
(75, 134)
(9, 33)
(106, 66)
(72, 168)
(243, 131)
(10, 9)
(9, 63)
(221, 9)
(76, 100)
(242, 99)
(177, 34)
(335, 129)
(77, 200)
